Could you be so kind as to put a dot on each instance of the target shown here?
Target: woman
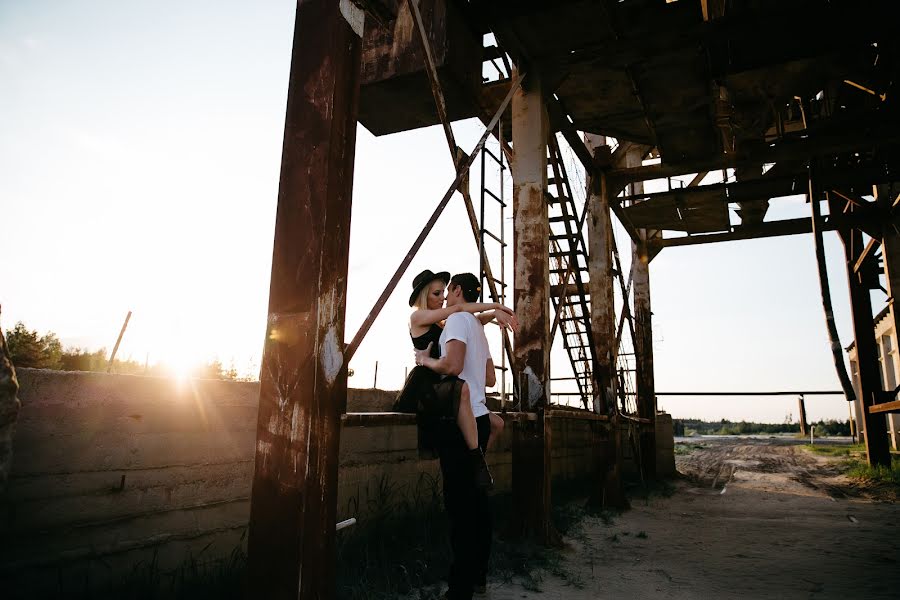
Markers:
(425, 327)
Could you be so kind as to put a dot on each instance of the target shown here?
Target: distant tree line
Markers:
(725, 427)
(29, 349)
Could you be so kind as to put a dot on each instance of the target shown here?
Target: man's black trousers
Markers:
(468, 510)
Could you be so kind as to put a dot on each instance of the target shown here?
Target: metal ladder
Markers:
(496, 285)
(568, 256)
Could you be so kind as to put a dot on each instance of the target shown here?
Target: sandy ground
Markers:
(749, 519)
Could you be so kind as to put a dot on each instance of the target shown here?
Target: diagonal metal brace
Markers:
(463, 172)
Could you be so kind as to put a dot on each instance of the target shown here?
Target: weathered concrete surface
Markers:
(113, 470)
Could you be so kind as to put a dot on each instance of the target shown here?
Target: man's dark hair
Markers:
(471, 286)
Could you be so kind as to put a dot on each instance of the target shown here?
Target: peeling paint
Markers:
(332, 355)
(533, 387)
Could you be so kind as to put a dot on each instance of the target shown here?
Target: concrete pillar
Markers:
(303, 380)
(531, 297)
(643, 342)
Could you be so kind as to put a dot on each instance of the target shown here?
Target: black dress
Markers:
(434, 398)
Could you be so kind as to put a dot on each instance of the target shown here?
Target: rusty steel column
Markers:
(607, 456)
(531, 297)
(643, 340)
(600, 272)
(874, 425)
(303, 380)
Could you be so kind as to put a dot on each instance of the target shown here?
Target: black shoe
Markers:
(483, 479)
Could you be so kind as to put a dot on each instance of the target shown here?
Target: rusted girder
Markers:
(459, 157)
(431, 69)
(461, 175)
(606, 489)
(788, 150)
(531, 240)
(531, 296)
(600, 275)
(303, 380)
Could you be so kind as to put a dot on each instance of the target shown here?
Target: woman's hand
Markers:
(500, 307)
(507, 321)
(421, 355)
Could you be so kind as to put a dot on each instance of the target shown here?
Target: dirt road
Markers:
(749, 519)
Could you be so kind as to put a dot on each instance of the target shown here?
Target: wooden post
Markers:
(874, 425)
(112, 356)
(531, 298)
(303, 381)
(643, 341)
(804, 428)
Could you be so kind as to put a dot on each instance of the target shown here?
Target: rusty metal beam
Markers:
(600, 276)
(531, 294)
(303, 380)
(772, 186)
(765, 230)
(433, 79)
(788, 150)
(461, 174)
(459, 157)
(531, 236)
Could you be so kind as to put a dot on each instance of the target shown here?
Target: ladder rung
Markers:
(492, 155)
(486, 232)
(495, 197)
(562, 219)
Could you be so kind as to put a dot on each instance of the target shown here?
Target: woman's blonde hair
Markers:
(422, 298)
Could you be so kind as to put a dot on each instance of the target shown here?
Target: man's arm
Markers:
(450, 364)
(490, 374)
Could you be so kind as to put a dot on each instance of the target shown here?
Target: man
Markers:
(465, 354)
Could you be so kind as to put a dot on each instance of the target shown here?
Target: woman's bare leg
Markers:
(496, 428)
(465, 419)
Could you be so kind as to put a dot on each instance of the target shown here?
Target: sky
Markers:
(140, 152)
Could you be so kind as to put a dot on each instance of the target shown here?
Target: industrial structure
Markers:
(754, 100)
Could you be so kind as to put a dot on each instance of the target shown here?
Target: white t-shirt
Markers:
(467, 329)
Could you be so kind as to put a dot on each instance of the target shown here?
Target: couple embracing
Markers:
(447, 389)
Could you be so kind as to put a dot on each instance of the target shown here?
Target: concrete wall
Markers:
(110, 471)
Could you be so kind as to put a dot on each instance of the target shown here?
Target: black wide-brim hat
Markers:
(423, 279)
